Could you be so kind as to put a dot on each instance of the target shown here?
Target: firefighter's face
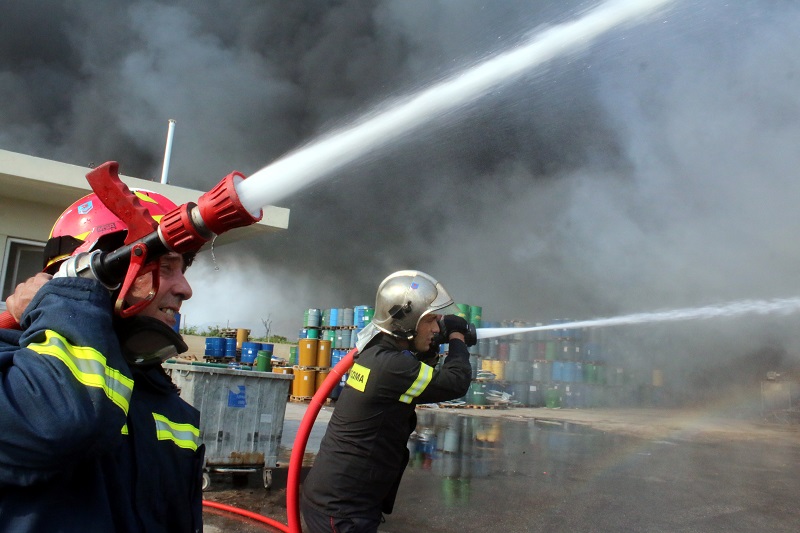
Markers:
(427, 328)
(172, 291)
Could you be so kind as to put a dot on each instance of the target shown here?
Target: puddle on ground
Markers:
(477, 473)
(461, 447)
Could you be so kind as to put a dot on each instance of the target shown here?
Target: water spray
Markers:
(306, 165)
(329, 153)
(784, 306)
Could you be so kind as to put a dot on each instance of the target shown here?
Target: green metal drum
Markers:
(477, 393)
(551, 350)
(463, 311)
(475, 315)
(590, 373)
(552, 398)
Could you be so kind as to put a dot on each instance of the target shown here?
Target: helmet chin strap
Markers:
(407, 335)
(145, 340)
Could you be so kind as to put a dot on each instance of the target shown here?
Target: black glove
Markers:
(456, 324)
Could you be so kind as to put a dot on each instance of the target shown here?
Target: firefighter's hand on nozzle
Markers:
(455, 324)
(24, 293)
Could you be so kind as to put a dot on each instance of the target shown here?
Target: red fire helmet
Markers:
(88, 225)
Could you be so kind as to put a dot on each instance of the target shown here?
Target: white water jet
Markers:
(327, 154)
(783, 306)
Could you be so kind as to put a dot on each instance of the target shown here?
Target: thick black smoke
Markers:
(655, 168)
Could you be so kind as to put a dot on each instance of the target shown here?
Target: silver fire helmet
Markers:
(404, 298)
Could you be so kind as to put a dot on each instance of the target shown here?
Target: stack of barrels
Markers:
(338, 325)
(313, 366)
(235, 348)
(557, 367)
(258, 355)
(326, 337)
(215, 348)
(506, 365)
(478, 388)
(227, 347)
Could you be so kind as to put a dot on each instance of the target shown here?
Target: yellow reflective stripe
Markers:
(423, 378)
(89, 367)
(125, 429)
(183, 435)
(145, 198)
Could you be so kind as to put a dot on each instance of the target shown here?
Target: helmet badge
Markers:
(85, 207)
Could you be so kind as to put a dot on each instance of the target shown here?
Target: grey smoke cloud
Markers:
(654, 169)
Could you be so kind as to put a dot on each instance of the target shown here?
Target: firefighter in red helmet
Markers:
(93, 428)
(88, 225)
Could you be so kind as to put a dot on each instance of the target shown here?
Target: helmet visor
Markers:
(441, 305)
(442, 300)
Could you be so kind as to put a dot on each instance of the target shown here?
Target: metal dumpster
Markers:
(241, 416)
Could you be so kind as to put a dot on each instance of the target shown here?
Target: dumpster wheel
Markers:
(206, 480)
(267, 476)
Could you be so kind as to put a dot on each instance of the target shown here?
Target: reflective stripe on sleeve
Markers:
(184, 435)
(423, 378)
(89, 367)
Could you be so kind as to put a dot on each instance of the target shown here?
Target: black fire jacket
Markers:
(364, 451)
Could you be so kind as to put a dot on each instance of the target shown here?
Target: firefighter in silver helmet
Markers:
(362, 457)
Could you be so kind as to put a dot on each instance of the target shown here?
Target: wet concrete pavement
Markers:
(496, 471)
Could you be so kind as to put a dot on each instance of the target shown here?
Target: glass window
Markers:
(23, 259)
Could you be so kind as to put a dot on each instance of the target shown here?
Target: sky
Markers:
(652, 168)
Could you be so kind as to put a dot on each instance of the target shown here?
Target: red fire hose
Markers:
(7, 321)
(303, 432)
(298, 452)
(255, 516)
